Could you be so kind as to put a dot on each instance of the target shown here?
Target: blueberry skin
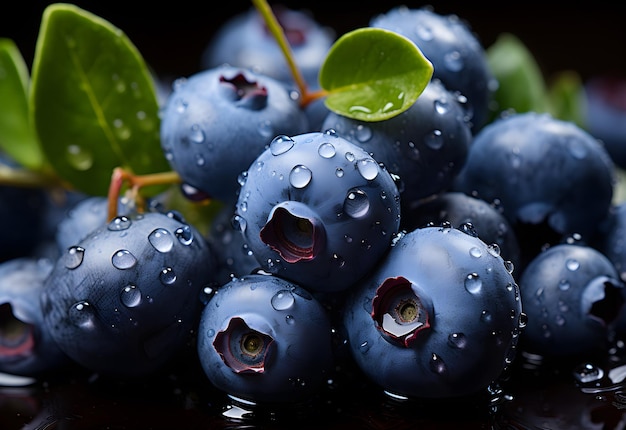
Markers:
(439, 317)
(265, 340)
(459, 209)
(541, 170)
(458, 58)
(572, 295)
(216, 122)
(125, 299)
(244, 41)
(605, 114)
(318, 210)
(425, 145)
(26, 344)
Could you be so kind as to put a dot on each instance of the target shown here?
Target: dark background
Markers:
(587, 37)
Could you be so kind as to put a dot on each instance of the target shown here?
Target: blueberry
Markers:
(27, 347)
(425, 145)
(458, 58)
(265, 340)
(233, 255)
(605, 114)
(124, 300)
(550, 178)
(439, 317)
(318, 210)
(216, 122)
(573, 296)
(245, 41)
(459, 209)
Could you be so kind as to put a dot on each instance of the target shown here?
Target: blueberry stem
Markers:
(121, 176)
(275, 28)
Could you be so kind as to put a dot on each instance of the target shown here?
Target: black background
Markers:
(171, 35)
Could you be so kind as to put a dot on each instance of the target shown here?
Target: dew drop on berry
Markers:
(363, 133)
(350, 156)
(457, 340)
(123, 259)
(572, 265)
(326, 150)
(424, 32)
(266, 129)
(196, 134)
(356, 203)
(475, 252)
(74, 257)
(167, 276)
(282, 300)
(290, 320)
(494, 249)
(437, 365)
(588, 373)
(368, 168)
(161, 240)
(453, 61)
(81, 314)
(339, 172)
(564, 285)
(130, 296)
(119, 223)
(281, 144)
(184, 235)
(473, 283)
(485, 316)
(300, 176)
(434, 140)
(364, 347)
(441, 106)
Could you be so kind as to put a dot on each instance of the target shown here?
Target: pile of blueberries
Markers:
(429, 252)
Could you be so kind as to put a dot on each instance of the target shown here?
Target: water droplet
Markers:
(424, 32)
(453, 61)
(290, 320)
(572, 265)
(485, 316)
(167, 276)
(339, 172)
(564, 285)
(196, 134)
(281, 144)
(81, 314)
(434, 140)
(79, 158)
(184, 235)
(123, 259)
(368, 168)
(473, 283)
(161, 240)
(441, 106)
(74, 257)
(122, 131)
(119, 223)
(457, 340)
(300, 176)
(588, 373)
(350, 157)
(437, 365)
(363, 133)
(282, 300)
(494, 249)
(326, 150)
(475, 252)
(266, 129)
(130, 296)
(364, 347)
(356, 203)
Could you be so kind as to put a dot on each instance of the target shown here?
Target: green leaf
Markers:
(521, 83)
(372, 74)
(17, 137)
(567, 97)
(93, 100)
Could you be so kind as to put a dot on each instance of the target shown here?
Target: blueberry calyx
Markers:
(249, 93)
(400, 313)
(16, 336)
(294, 231)
(604, 300)
(242, 348)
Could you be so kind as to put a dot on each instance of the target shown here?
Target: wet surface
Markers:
(533, 395)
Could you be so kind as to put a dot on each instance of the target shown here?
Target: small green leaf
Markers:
(567, 97)
(372, 74)
(93, 100)
(521, 83)
(17, 136)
